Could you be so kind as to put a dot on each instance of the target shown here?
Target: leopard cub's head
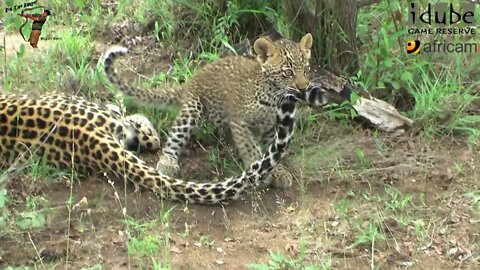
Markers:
(285, 62)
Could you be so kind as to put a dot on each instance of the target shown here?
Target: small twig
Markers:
(132, 70)
(36, 250)
(346, 253)
(376, 169)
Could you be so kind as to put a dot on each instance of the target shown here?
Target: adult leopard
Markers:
(70, 131)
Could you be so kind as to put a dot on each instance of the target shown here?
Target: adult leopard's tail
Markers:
(164, 96)
(210, 193)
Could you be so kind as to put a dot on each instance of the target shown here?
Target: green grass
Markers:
(146, 244)
(279, 261)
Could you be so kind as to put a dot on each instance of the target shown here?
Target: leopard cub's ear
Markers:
(265, 50)
(306, 44)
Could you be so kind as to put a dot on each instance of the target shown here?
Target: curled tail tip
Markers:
(114, 51)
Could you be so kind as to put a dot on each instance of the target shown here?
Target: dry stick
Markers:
(36, 250)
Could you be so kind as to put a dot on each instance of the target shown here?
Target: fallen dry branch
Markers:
(382, 115)
(378, 113)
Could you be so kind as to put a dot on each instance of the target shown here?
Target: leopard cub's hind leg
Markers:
(180, 133)
(250, 150)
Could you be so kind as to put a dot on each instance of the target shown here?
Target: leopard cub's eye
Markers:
(288, 73)
(306, 69)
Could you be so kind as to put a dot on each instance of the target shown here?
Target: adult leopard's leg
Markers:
(180, 133)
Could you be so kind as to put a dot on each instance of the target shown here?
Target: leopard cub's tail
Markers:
(155, 96)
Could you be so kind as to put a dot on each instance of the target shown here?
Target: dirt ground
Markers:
(279, 220)
(340, 191)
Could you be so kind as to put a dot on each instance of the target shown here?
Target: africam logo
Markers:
(38, 20)
(413, 47)
(441, 19)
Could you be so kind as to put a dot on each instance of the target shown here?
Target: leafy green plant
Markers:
(369, 235)
(145, 246)
(214, 24)
(160, 265)
(474, 197)
(40, 170)
(279, 261)
(95, 267)
(32, 217)
(343, 205)
(395, 201)
(364, 160)
(73, 49)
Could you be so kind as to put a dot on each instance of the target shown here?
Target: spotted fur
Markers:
(139, 133)
(71, 132)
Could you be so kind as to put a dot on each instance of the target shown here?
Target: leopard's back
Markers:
(65, 131)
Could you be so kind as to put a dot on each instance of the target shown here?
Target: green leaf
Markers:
(406, 76)
(38, 221)
(276, 256)
(80, 3)
(228, 46)
(23, 223)
(257, 266)
(3, 197)
(388, 62)
(395, 85)
(21, 53)
(353, 112)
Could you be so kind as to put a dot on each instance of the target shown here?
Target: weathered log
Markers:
(378, 113)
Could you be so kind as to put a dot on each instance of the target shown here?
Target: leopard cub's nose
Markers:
(301, 85)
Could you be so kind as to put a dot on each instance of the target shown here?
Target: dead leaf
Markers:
(175, 250)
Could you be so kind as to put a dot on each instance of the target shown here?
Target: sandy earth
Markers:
(279, 220)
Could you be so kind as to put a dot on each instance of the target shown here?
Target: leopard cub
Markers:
(235, 91)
